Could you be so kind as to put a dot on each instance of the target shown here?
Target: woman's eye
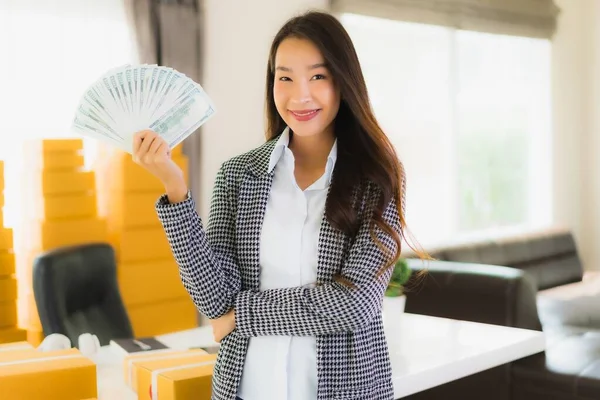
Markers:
(284, 78)
(319, 76)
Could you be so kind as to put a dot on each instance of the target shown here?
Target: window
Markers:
(51, 52)
(469, 114)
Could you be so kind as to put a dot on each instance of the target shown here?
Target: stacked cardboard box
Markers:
(9, 331)
(148, 275)
(60, 374)
(59, 209)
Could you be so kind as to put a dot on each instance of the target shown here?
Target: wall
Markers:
(576, 120)
(590, 139)
(237, 38)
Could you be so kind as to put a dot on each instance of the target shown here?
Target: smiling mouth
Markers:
(304, 113)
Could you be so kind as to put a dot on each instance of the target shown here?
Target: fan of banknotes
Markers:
(132, 98)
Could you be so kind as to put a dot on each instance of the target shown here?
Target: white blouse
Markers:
(284, 367)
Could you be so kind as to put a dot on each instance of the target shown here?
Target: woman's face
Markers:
(305, 95)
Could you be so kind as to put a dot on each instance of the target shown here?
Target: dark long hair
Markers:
(365, 154)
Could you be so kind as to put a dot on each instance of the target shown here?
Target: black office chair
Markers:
(76, 292)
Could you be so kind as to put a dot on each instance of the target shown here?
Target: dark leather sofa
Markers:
(503, 282)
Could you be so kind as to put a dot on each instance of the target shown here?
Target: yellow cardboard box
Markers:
(59, 145)
(150, 282)
(53, 182)
(133, 209)
(57, 155)
(35, 336)
(131, 361)
(16, 346)
(8, 314)
(7, 263)
(69, 206)
(157, 380)
(141, 244)
(48, 235)
(13, 334)
(126, 175)
(8, 289)
(6, 239)
(164, 317)
(57, 375)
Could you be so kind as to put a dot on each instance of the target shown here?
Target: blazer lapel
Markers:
(254, 191)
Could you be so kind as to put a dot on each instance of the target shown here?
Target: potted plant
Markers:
(395, 299)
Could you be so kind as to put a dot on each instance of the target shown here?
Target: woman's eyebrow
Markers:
(288, 69)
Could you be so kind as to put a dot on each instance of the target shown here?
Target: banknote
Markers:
(130, 98)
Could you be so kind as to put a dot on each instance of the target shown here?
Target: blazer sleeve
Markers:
(328, 308)
(206, 258)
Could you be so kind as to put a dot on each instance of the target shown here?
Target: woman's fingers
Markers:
(157, 144)
(148, 146)
(147, 143)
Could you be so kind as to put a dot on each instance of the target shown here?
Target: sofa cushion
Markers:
(575, 304)
(569, 368)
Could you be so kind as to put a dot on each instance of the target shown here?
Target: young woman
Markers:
(303, 231)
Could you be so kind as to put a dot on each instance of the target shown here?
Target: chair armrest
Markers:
(473, 292)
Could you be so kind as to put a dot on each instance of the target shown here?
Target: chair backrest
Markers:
(76, 292)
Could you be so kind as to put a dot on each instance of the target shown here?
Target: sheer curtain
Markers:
(51, 50)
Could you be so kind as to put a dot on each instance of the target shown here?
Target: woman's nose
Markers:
(301, 93)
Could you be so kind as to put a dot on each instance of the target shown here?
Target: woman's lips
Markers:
(304, 115)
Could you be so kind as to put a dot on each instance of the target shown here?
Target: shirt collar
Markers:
(284, 141)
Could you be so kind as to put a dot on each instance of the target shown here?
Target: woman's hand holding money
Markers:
(153, 153)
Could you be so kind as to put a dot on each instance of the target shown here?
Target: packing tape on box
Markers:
(154, 384)
(40, 359)
(17, 347)
(158, 356)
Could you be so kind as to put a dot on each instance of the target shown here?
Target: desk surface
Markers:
(425, 352)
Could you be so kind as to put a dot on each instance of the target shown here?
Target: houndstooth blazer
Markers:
(220, 269)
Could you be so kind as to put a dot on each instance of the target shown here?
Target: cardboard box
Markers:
(70, 206)
(34, 336)
(48, 235)
(35, 158)
(63, 182)
(121, 173)
(158, 379)
(13, 334)
(128, 210)
(8, 289)
(8, 314)
(141, 244)
(6, 239)
(162, 318)
(7, 263)
(16, 346)
(150, 282)
(131, 361)
(54, 375)
(58, 145)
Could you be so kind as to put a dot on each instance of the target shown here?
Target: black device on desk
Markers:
(128, 346)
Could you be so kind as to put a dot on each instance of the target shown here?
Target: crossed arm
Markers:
(208, 270)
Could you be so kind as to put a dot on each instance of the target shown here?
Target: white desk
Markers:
(425, 352)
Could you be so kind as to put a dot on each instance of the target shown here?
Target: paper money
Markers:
(131, 98)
